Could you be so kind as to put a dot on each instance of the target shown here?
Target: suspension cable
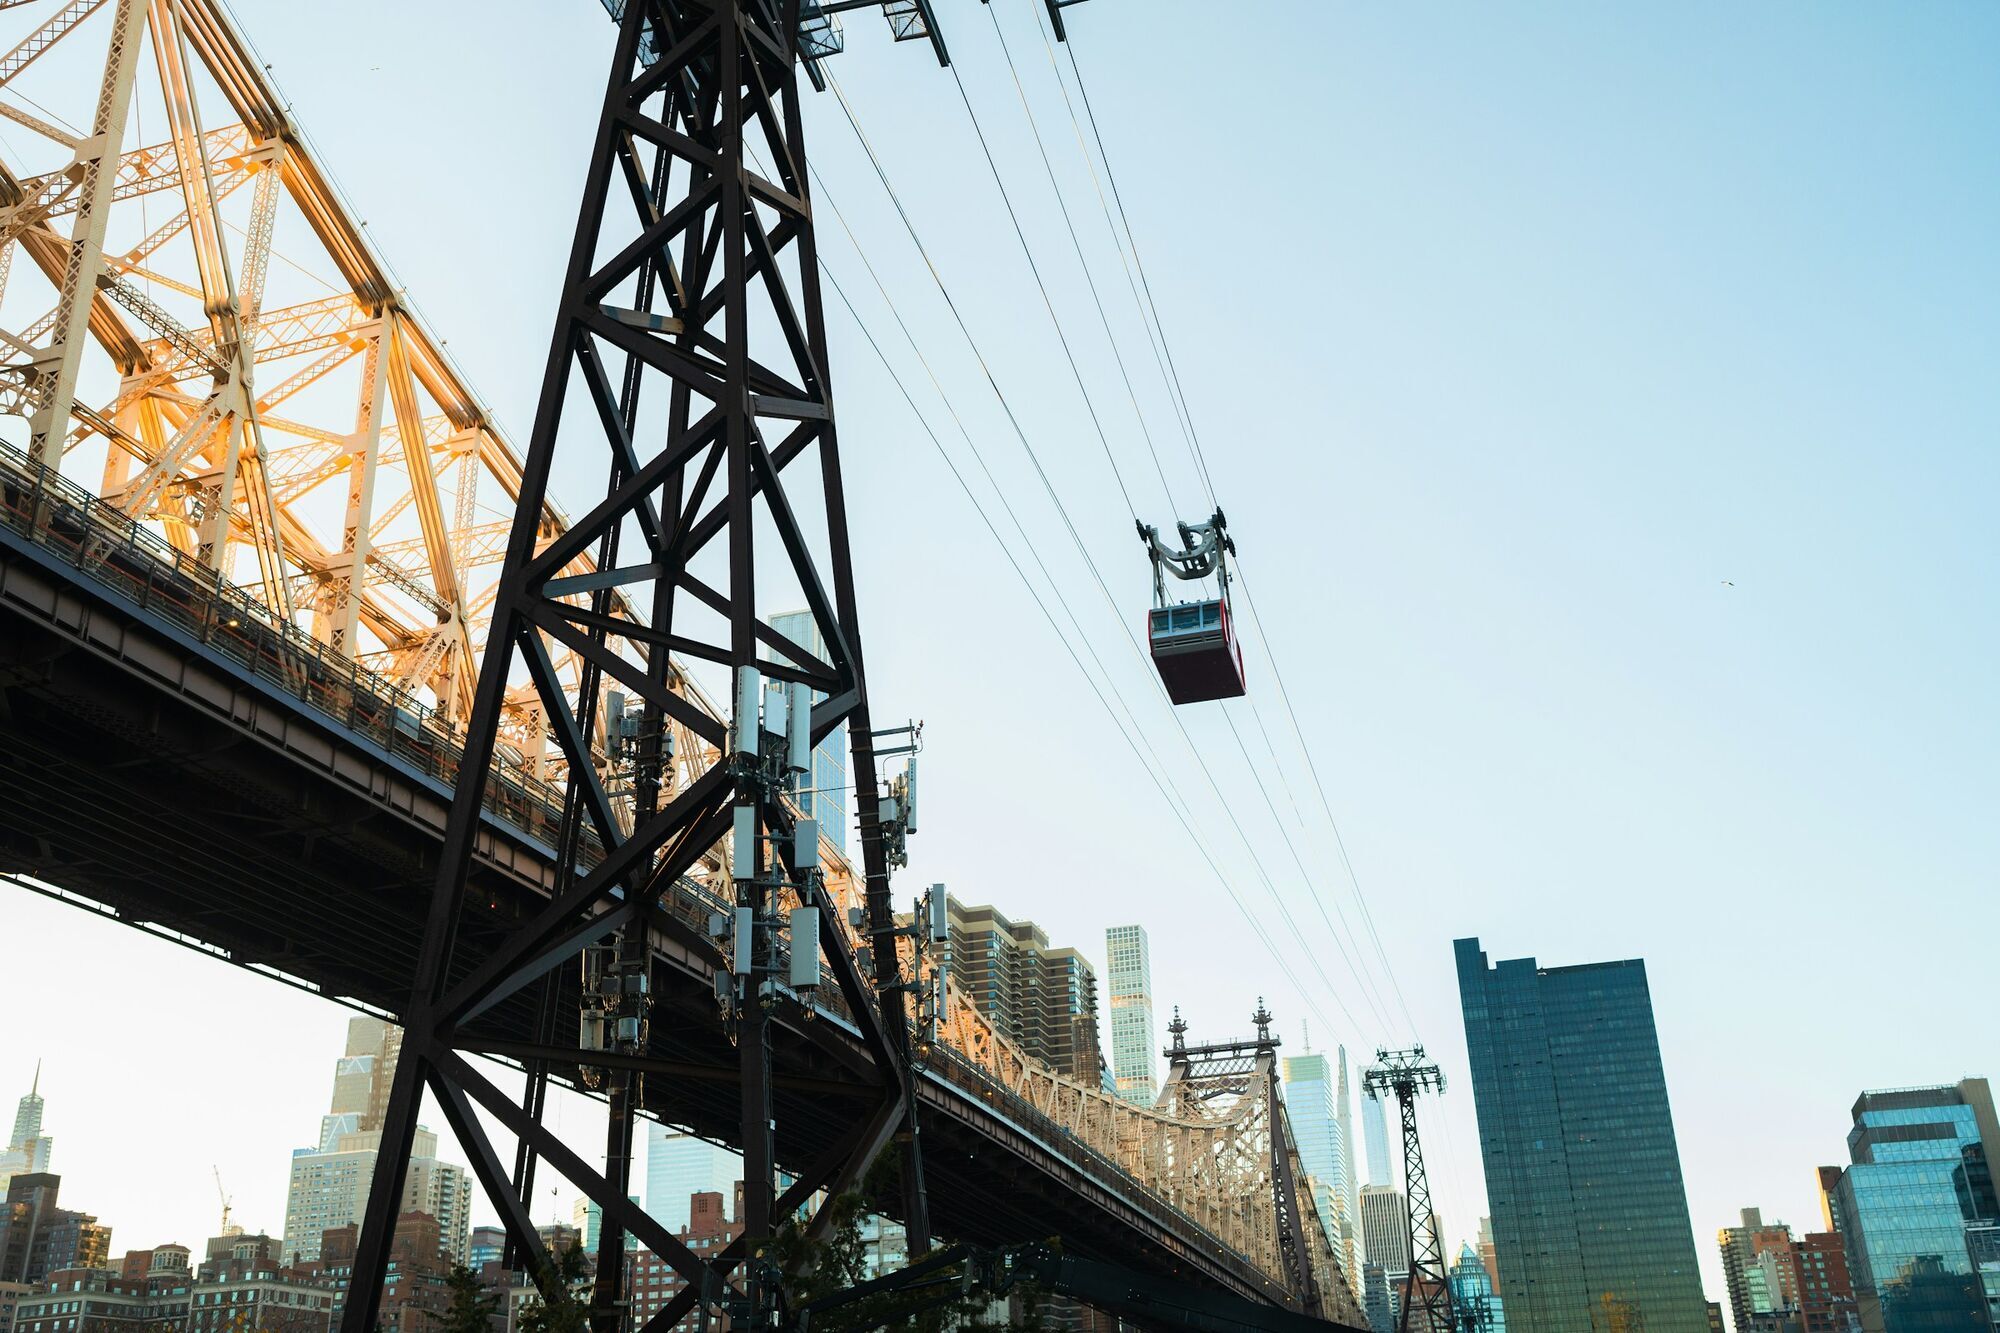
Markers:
(1090, 280)
(1249, 917)
(1062, 510)
(1363, 973)
(1179, 393)
(1176, 801)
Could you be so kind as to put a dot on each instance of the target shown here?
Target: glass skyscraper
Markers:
(1914, 1203)
(1375, 1128)
(1472, 1290)
(680, 1166)
(1131, 996)
(1311, 1085)
(825, 799)
(1589, 1211)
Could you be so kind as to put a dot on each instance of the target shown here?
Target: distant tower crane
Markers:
(1427, 1300)
(222, 1194)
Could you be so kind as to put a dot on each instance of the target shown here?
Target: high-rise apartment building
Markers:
(1311, 1082)
(1825, 1292)
(1041, 998)
(28, 1149)
(1757, 1268)
(653, 1282)
(1375, 1303)
(680, 1166)
(330, 1180)
(1385, 1232)
(1917, 1193)
(1488, 1254)
(1133, 1049)
(825, 798)
(1590, 1215)
(38, 1238)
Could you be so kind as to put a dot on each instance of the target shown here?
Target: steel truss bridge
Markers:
(258, 533)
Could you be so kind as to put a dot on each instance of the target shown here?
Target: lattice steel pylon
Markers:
(1427, 1301)
(688, 369)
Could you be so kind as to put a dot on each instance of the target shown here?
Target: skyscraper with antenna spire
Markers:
(28, 1149)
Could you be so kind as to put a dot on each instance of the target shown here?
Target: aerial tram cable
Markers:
(1069, 355)
(1055, 499)
(1175, 391)
(1177, 803)
(1090, 280)
(1312, 768)
(1125, 259)
(1195, 649)
(825, 196)
(1179, 395)
(1193, 644)
(1048, 486)
(1249, 917)
(1185, 624)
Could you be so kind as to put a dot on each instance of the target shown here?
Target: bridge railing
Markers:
(109, 547)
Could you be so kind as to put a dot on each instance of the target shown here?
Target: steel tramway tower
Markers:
(688, 369)
(1428, 1306)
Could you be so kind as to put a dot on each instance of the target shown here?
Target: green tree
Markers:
(567, 1271)
(474, 1305)
(817, 1269)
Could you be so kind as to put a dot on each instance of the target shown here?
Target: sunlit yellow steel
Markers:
(257, 387)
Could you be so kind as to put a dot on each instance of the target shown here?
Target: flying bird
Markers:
(1728, 583)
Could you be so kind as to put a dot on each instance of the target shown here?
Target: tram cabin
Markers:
(1195, 649)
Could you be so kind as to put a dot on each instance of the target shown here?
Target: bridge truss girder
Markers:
(203, 334)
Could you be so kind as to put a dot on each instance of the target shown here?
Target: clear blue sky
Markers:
(1603, 401)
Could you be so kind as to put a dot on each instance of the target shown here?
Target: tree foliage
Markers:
(474, 1305)
(567, 1271)
(815, 1269)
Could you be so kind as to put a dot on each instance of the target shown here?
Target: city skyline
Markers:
(355, 1087)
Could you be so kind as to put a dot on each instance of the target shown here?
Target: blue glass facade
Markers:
(1479, 1306)
(1917, 1195)
(1589, 1211)
(1316, 1125)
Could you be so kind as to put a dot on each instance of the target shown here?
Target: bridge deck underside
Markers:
(142, 773)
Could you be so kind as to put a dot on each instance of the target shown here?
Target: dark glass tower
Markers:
(1589, 1214)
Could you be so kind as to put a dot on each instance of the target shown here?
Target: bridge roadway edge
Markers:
(269, 832)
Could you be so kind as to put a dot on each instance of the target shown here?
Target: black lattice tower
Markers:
(688, 372)
(1427, 1300)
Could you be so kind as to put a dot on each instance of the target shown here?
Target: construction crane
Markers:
(222, 1194)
